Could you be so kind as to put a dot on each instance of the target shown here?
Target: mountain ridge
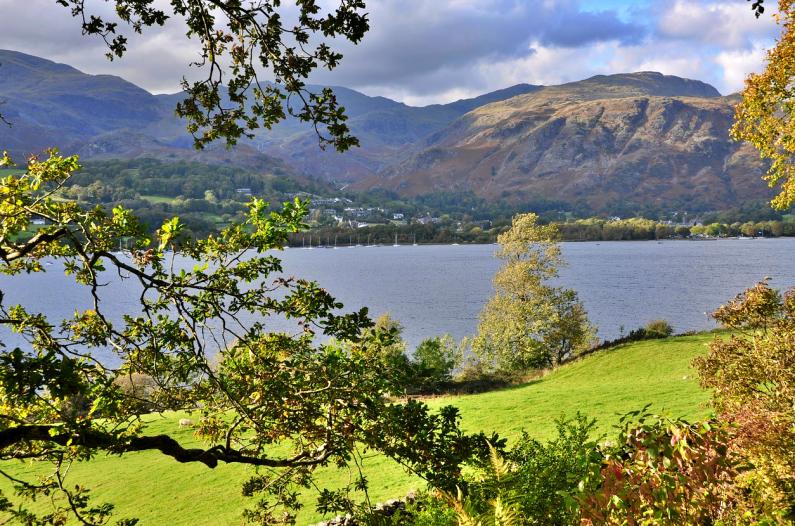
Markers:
(600, 140)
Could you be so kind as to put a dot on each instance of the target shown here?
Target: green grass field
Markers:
(158, 199)
(160, 491)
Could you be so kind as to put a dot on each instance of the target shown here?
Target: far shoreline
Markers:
(597, 241)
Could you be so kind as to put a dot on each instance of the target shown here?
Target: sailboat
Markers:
(396, 243)
(415, 240)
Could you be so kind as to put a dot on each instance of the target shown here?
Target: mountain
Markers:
(105, 116)
(49, 102)
(607, 141)
(386, 130)
(642, 138)
(95, 116)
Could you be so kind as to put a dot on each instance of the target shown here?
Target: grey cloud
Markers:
(418, 48)
(415, 38)
(721, 23)
(156, 60)
(421, 46)
(580, 29)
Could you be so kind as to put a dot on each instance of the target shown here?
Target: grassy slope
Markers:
(160, 491)
(603, 386)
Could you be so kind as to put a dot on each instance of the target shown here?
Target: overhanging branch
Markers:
(165, 444)
(13, 252)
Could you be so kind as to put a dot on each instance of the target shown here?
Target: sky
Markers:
(434, 51)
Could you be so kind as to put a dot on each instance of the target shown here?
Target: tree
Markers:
(765, 117)
(390, 353)
(239, 42)
(528, 323)
(197, 342)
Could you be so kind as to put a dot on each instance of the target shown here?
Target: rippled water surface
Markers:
(440, 289)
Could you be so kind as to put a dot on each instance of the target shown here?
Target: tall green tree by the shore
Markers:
(529, 323)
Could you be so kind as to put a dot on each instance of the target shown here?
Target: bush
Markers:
(535, 482)
(653, 330)
(658, 329)
(752, 376)
(548, 474)
(137, 385)
(665, 472)
(433, 363)
(426, 510)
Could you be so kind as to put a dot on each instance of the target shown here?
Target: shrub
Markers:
(665, 472)
(433, 363)
(534, 482)
(752, 375)
(658, 329)
(137, 385)
(548, 474)
(652, 330)
(426, 510)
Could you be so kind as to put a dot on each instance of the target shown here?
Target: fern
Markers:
(499, 480)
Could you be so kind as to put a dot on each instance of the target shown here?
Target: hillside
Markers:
(386, 130)
(102, 116)
(602, 386)
(610, 140)
(616, 143)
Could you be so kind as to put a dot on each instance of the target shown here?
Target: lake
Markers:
(436, 289)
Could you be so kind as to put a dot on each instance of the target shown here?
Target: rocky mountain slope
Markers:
(96, 116)
(633, 138)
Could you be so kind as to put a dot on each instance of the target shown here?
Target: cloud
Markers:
(425, 51)
(415, 38)
(737, 64)
(428, 51)
(155, 60)
(577, 29)
(726, 24)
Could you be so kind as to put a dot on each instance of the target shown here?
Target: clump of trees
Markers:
(748, 229)
(433, 367)
(205, 197)
(597, 229)
(529, 323)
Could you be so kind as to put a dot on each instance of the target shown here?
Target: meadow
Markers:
(158, 490)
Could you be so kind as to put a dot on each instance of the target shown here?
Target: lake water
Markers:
(439, 289)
